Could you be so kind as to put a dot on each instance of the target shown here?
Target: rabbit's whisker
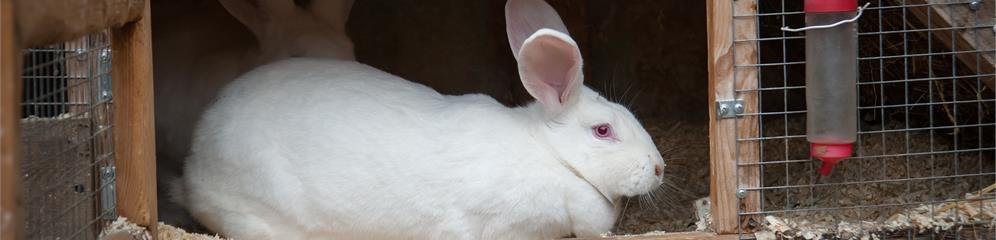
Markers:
(626, 92)
(635, 97)
(622, 214)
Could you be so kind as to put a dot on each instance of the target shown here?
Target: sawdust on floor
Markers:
(125, 230)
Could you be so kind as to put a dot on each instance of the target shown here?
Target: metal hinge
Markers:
(108, 195)
(729, 108)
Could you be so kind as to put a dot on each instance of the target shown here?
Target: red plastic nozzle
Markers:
(827, 6)
(830, 154)
(827, 167)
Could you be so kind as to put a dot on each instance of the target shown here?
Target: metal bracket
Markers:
(729, 108)
(108, 195)
(104, 72)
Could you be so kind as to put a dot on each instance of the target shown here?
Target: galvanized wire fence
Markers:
(925, 151)
(68, 166)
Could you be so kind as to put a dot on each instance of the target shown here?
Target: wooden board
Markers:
(10, 98)
(134, 136)
(960, 15)
(55, 21)
(675, 236)
(58, 178)
(724, 79)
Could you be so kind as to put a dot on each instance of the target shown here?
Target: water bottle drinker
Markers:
(831, 75)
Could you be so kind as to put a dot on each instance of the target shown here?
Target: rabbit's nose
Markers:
(658, 170)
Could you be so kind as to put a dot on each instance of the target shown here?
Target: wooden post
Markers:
(960, 15)
(10, 134)
(134, 137)
(724, 79)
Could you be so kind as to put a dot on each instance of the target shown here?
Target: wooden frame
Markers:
(732, 162)
(10, 119)
(726, 177)
(134, 134)
(134, 138)
(67, 20)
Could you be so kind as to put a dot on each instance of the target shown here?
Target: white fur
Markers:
(330, 149)
(198, 56)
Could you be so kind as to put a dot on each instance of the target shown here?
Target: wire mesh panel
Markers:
(68, 174)
(924, 160)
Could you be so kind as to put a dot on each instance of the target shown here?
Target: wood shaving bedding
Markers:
(975, 209)
(122, 229)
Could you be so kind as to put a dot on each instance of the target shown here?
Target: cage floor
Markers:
(126, 230)
(685, 146)
(865, 185)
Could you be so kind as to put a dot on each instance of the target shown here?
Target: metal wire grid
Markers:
(926, 125)
(68, 172)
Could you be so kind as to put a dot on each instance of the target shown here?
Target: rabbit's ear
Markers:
(334, 12)
(255, 14)
(549, 60)
(248, 12)
(525, 17)
(550, 68)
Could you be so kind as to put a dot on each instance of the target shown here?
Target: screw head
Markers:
(723, 109)
(80, 54)
(741, 193)
(107, 171)
(738, 108)
(105, 55)
(975, 5)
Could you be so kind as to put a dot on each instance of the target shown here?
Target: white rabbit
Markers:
(329, 149)
(198, 55)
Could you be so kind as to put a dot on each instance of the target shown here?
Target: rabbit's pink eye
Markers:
(603, 131)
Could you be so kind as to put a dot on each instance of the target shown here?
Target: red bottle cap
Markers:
(826, 6)
(830, 154)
